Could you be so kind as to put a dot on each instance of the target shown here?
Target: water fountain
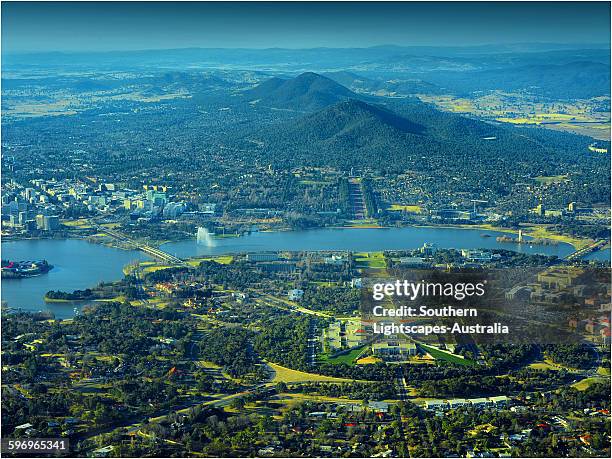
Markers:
(203, 237)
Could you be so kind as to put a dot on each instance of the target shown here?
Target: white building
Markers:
(434, 405)
(457, 403)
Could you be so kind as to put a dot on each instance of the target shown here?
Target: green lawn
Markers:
(349, 358)
(370, 260)
(584, 384)
(439, 355)
(222, 260)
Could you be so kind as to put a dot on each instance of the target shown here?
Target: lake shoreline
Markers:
(529, 231)
(81, 263)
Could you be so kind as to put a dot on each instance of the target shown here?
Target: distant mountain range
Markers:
(556, 71)
(422, 75)
(397, 86)
(581, 79)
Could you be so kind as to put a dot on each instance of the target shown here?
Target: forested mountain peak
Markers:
(306, 92)
(354, 113)
(407, 134)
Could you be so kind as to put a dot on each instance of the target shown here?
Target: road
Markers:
(586, 250)
(286, 305)
(400, 381)
(402, 393)
(134, 424)
(152, 251)
(312, 344)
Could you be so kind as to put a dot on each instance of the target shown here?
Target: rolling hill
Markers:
(580, 79)
(349, 133)
(354, 119)
(384, 86)
(306, 92)
(407, 134)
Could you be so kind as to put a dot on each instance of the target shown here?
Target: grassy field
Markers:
(587, 382)
(349, 358)
(414, 209)
(577, 116)
(295, 399)
(33, 109)
(151, 267)
(119, 298)
(449, 103)
(543, 366)
(222, 260)
(369, 360)
(544, 118)
(46, 299)
(548, 365)
(440, 355)
(603, 371)
(547, 180)
(81, 223)
(287, 375)
(370, 260)
(158, 303)
(542, 232)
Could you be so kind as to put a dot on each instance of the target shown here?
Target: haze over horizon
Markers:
(131, 26)
(568, 45)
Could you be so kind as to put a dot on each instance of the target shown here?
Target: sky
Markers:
(108, 26)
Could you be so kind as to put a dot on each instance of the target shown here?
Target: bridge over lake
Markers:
(152, 251)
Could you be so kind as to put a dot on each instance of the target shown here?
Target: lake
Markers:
(79, 264)
(359, 240)
(601, 255)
